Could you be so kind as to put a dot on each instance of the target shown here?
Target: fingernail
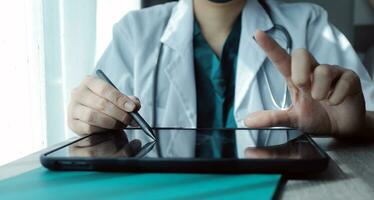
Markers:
(129, 106)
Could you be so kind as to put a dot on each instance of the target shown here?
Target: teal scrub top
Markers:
(215, 89)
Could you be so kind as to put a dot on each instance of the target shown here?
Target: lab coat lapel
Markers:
(250, 59)
(179, 70)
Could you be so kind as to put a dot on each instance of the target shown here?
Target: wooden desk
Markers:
(350, 174)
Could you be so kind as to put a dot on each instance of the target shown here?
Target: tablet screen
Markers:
(190, 143)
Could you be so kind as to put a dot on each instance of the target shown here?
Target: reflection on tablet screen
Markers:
(135, 144)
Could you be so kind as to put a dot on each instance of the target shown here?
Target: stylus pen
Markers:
(135, 115)
(145, 149)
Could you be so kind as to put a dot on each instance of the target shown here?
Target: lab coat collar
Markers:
(179, 30)
(255, 17)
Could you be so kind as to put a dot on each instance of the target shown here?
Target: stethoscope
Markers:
(282, 106)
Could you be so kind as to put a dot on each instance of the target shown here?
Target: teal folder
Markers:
(43, 184)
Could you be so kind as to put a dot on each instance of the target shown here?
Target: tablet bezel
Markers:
(189, 165)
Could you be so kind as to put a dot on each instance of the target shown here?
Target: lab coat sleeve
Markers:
(330, 46)
(117, 62)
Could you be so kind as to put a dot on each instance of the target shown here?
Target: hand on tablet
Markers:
(105, 145)
(96, 106)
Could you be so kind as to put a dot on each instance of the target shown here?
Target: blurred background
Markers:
(48, 46)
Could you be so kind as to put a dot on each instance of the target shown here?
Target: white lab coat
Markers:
(132, 56)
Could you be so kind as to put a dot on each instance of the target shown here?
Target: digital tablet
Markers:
(175, 150)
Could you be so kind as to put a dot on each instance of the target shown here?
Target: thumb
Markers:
(268, 118)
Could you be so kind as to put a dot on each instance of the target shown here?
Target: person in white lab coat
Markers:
(331, 91)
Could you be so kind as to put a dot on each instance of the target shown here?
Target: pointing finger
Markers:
(275, 53)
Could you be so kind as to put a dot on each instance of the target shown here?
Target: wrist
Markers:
(365, 131)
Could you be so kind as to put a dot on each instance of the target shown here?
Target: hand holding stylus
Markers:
(134, 114)
(97, 106)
